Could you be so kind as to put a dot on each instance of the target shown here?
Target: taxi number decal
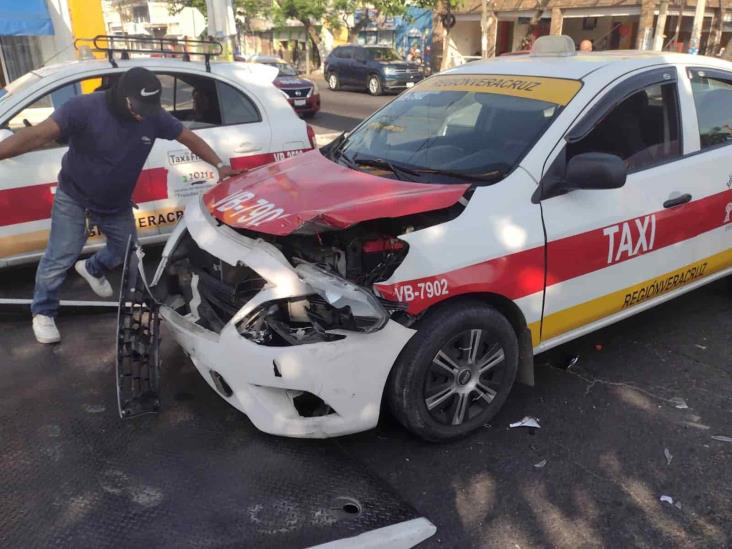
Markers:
(286, 154)
(193, 177)
(421, 290)
(246, 209)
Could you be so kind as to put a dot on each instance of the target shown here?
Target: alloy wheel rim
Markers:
(464, 378)
(373, 85)
(332, 81)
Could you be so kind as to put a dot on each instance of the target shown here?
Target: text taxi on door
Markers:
(233, 106)
(492, 212)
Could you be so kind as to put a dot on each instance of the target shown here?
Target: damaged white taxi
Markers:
(492, 212)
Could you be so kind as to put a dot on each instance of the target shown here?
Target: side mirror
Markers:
(595, 171)
(5, 133)
(584, 171)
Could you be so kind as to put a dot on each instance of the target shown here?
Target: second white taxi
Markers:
(233, 106)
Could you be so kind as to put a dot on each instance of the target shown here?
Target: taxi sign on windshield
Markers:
(559, 91)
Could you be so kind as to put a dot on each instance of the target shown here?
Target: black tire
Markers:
(421, 364)
(334, 83)
(373, 84)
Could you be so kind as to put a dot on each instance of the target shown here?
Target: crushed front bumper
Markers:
(273, 384)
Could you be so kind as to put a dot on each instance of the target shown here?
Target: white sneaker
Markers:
(100, 286)
(44, 328)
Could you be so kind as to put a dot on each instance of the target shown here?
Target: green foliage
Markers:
(242, 8)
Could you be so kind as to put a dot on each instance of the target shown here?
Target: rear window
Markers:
(713, 100)
(476, 125)
(384, 54)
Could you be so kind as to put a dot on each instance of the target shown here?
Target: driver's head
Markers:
(141, 90)
(201, 102)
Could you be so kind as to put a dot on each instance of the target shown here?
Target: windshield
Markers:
(17, 85)
(384, 54)
(453, 128)
(284, 68)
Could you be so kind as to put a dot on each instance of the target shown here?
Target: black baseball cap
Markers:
(143, 89)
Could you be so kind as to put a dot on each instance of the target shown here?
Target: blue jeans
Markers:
(67, 238)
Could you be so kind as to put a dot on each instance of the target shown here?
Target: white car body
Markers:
(558, 267)
(170, 176)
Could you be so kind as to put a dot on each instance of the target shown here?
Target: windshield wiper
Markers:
(493, 175)
(396, 169)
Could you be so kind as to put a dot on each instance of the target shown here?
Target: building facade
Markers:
(607, 24)
(26, 45)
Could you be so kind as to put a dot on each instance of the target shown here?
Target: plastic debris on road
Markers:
(722, 438)
(668, 455)
(531, 422)
(667, 499)
(679, 403)
(572, 362)
(541, 464)
(599, 347)
(702, 347)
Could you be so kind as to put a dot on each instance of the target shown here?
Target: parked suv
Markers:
(379, 69)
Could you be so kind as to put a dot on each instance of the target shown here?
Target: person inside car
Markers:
(110, 135)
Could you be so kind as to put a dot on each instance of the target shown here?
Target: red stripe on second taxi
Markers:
(34, 202)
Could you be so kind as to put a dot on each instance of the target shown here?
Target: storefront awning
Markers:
(24, 18)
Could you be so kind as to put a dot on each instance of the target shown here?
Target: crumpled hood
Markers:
(311, 193)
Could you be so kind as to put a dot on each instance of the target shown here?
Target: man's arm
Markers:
(201, 149)
(28, 139)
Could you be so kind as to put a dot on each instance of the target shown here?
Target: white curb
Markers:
(397, 536)
(325, 138)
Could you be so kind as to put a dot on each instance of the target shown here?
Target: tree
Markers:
(347, 8)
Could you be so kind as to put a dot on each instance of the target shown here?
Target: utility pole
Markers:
(660, 26)
(715, 34)
(696, 29)
(645, 26)
(484, 29)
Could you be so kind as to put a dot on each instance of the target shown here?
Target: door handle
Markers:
(247, 147)
(677, 201)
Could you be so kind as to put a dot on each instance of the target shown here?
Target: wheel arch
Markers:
(515, 317)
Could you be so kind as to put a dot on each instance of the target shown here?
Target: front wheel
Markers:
(333, 82)
(374, 85)
(455, 373)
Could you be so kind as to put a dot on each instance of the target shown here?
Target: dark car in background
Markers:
(378, 69)
(303, 94)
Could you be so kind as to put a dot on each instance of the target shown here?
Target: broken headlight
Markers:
(353, 307)
(335, 304)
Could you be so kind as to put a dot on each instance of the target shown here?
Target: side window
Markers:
(38, 111)
(359, 54)
(713, 100)
(236, 108)
(643, 130)
(191, 99)
(345, 53)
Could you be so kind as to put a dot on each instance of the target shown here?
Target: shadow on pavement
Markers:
(334, 122)
(605, 424)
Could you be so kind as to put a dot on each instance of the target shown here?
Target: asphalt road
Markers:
(341, 111)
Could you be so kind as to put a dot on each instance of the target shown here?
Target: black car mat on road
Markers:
(197, 474)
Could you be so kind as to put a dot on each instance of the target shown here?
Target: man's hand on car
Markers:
(227, 171)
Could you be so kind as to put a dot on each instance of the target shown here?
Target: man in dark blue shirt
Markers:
(110, 135)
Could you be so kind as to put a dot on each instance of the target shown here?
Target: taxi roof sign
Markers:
(553, 46)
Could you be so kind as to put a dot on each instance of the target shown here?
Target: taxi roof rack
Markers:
(125, 45)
